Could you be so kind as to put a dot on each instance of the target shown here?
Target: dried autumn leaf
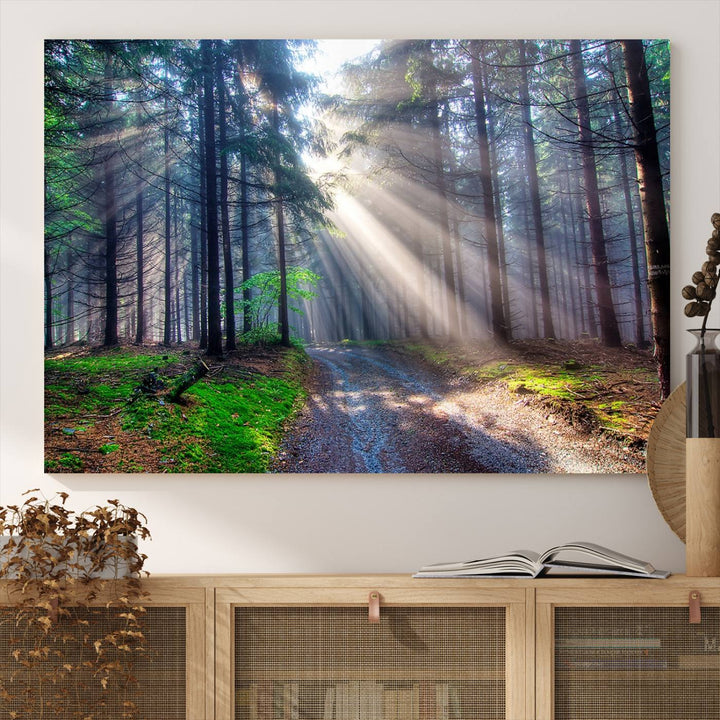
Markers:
(46, 622)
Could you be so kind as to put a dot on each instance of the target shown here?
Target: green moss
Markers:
(430, 353)
(567, 382)
(364, 343)
(67, 462)
(94, 385)
(222, 426)
(549, 380)
(129, 466)
(114, 362)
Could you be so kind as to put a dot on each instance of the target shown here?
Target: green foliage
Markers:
(268, 336)
(223, 425)
(263, 335)
(227, 426)
(266, 287)
(96, 384)
(67, 462)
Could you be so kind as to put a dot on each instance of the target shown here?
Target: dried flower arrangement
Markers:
(704, 289)
(703, 363)
(71, 609)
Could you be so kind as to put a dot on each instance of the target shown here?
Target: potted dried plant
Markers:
(70, 610)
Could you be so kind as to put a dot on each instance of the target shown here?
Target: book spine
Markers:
(264, 702)
(620, 663)
(404, 704)
(329, 709)
(442, 701)
(427, 706)
(390, 704)
(706, 661)
(614, 643)
(291, 701)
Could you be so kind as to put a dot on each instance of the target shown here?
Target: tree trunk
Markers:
(443, 220)
(633, 240)
(534, 185)
(609, 330)
(139, 269)
(203, 227)
(283, 320)
(188, 379)
(460, 273)
(48, 301)
(213, 254)
(224, 214)
(498, 320)
(69, 296)
(244, 204)
(495, 181)
(195, 276)
(167, 334)
(110, 219)
(532, 305)
(176, 278)
(657, 235)
(245, 235)
(590, 304)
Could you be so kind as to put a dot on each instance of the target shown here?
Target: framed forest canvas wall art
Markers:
(356, 256)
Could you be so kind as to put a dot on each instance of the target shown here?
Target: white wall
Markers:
(221, 523)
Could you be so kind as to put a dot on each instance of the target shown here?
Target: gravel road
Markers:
(376, 410)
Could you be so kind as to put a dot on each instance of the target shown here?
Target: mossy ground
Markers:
(612, 390)
(96, 419)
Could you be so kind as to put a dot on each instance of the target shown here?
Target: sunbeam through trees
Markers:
(225, 197)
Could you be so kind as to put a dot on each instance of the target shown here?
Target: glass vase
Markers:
(703, 386)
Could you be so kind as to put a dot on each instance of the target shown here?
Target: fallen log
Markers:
(188, 379)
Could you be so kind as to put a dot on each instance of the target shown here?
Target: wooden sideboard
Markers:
(264, 647)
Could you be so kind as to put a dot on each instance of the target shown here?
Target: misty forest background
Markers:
(216, 194)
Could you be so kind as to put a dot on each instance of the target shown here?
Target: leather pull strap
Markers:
(694, 603)
(374, 607)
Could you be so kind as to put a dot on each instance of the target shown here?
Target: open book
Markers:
(575, 558)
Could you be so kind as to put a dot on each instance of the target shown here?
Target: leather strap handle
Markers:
(374, 606)
(694, 604)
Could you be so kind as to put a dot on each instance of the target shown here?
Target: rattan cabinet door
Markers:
(153, 681)
(328, 662)
(628, 652)
(625, 663)
(56, 674)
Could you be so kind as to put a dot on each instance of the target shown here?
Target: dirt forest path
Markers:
(376, 410)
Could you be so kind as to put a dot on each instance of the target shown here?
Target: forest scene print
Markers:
(355, 256)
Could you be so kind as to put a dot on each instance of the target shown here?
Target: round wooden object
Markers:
(666, 460)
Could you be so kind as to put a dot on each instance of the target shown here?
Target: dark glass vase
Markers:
(703, 386)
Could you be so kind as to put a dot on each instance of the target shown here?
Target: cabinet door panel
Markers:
(331, 663)
(633, 663)
(155, 680)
